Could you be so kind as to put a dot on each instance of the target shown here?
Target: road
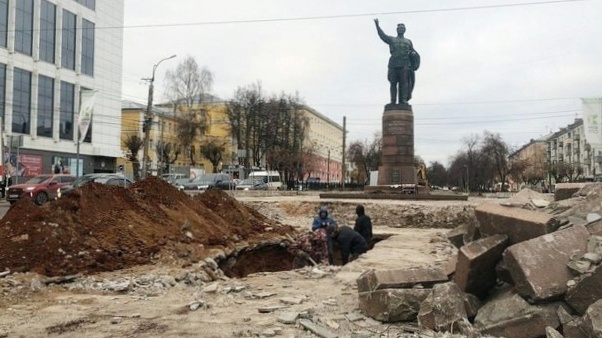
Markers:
(4, 205)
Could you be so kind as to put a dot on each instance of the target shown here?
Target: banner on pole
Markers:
(592, 121)
(86, 108)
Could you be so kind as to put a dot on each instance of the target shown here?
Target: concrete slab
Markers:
(509, 315)
(538, 266)
(565, 191)
(400, 278)
(404, 248)
(592, 320)
(475, 271)
(518, 224)
(392, 305)
(443, 309)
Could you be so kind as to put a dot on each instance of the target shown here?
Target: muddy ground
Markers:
(168, 298)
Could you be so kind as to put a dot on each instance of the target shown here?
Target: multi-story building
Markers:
(164, 130)
(569, 148)
(51, 51)
(325, 138)
(535, 156)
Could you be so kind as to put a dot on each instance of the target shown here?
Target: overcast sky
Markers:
(485, 64)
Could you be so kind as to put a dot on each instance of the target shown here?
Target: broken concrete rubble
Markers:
(456, 235)
(508, 315)
(392, 305)
(475, 271)
(403, 278)
(519, 224)
(443, 309)
(587, 291)
(538, 266)
(592, 320)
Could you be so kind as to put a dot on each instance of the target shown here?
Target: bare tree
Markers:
(167, 154)
(133, 143)
(497, 150)
(187, 87)
(214, 151)
(366, 156)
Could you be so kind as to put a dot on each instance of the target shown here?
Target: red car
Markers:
(40, 188)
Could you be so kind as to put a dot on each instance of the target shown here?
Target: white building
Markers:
(326, 139)
(50, 51)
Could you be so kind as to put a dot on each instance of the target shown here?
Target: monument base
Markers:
(397, 159)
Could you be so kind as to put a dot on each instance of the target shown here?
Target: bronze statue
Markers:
(403, 62)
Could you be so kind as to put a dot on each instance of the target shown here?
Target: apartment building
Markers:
(325, 137)
(50, 52)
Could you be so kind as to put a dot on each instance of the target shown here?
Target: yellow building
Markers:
(164, 132)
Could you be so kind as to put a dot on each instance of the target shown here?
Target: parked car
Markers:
(203, 182)
(104, 178)
(252, 184)
(172, 178)
(40, 188)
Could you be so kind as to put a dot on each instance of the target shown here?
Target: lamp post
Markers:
(148, 118)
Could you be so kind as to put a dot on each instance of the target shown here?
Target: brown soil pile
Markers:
(103, 228)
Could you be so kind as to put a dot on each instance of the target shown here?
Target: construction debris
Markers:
(531, 249)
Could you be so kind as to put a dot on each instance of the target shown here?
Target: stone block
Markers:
(509, 315)
(538, 266)
(587, 291)
(565, 191)
(475, 271)
(456, 236)
(519, 224)
(318, 330)
(372, 280)
(472, 304)
(443, 309)
(392, 305)
(592, 320)
(574, 329)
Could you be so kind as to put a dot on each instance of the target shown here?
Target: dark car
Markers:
(40, 188)
(104, 178)
(204, 182)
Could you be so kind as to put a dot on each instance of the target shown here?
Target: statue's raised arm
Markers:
(380, 32)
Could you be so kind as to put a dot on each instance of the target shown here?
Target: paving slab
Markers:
(518, 224)
(539, 266)
(400, 278)
(316, 329)
(475, 271)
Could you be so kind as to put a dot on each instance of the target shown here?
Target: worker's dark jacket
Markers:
(363, 226)
(350, 242)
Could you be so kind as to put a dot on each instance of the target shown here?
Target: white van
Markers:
(271, 178)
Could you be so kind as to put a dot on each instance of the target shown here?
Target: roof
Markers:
(131, 105)
(321, 116)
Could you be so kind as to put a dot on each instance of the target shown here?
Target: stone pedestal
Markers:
(397, 148)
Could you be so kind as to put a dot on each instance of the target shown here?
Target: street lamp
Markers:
(148, 119)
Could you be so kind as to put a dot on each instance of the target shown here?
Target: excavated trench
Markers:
(273, 258)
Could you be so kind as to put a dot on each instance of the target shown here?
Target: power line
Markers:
(343, 16)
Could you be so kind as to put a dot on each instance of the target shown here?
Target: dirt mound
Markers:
(103, 228)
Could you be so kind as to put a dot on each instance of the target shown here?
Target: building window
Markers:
(88, 48)
(3, 22)
(67, 110)
(45, 106)
(68, 47)
(24, 26)
(88, 3)
(47, 31)
(21, 101)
